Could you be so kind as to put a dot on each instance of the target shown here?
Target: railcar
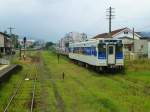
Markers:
(104, 53)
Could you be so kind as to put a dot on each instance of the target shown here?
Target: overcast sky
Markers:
(51, 19)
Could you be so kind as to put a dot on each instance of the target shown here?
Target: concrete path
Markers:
(3, 67)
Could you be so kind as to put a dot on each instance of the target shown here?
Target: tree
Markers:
(15, 40)
(5, 32)
(49, 44)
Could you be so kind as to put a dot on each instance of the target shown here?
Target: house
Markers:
(5, 43)
(124, 34)
(76, 37)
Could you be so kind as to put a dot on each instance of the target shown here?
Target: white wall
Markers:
(1, 40)
(141, 46)
(130, 34)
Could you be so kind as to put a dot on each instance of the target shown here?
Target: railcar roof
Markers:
(93, 41)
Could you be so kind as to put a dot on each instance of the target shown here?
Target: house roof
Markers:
(4, 34)
(106, 35)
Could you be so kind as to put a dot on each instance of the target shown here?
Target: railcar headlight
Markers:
(104, 46)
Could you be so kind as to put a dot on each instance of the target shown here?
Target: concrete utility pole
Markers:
(10, 33)
(110, 16)
(133, 38)
(10, 30)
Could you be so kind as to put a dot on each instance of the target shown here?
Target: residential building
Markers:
(125, 34)
(5, 43)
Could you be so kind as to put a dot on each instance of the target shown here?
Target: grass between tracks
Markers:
(84, 90)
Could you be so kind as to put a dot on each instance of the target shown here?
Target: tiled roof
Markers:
(106, 35)
(4, 34)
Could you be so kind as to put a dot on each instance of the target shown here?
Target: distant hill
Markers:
(144, 34)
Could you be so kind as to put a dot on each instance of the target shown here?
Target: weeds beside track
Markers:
(19, 88)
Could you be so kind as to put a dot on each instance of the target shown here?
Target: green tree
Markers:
(49, 44)
(15, 40)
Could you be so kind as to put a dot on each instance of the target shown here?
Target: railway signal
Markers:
(24, 42)
(58, 56)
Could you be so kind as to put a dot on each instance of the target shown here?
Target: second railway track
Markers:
(31, 76)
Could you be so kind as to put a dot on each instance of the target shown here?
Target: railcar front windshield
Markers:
(102, 51)
(119, 47)
(119, 51)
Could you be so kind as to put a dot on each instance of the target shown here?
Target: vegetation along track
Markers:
(49, 90)
(81, 90)
(20, 87)
(33, 93)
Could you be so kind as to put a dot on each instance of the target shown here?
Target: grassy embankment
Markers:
(86, 91)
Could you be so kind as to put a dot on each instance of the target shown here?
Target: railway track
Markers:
(33, 94)
(14, 95)
(18, 89)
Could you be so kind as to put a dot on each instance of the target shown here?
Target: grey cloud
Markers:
(51, 19)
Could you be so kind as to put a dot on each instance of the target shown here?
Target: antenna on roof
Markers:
(110, 15)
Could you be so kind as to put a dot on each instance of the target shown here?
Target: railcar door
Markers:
(111, 54)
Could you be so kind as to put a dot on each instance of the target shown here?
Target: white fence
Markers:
(4, 62)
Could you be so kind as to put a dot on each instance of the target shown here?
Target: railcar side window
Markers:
(93, 51)
(85, 50)
(101, 48)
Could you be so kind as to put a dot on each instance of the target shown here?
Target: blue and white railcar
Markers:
(100, 53)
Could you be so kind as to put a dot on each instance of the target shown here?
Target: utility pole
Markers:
(20, 50)
(10, 33)
(10, 30)
(133, 38)
(110, 15)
